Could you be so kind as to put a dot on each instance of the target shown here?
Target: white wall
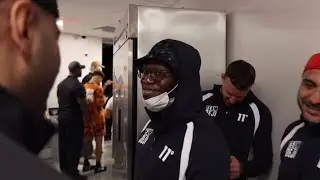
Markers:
(277, 43)
(74, 48)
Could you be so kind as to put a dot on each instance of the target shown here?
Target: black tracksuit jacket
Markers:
(163, 149)
(300, 152)
(247, 127)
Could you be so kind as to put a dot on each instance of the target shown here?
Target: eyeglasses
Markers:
(154, 75)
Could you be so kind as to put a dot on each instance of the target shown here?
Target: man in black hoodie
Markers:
(174, 143)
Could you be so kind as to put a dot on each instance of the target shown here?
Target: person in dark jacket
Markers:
(300, 145)
(72, 111)
(245, 121)
(174, 143)
(30, 60)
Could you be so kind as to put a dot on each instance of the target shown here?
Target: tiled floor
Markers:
(107, 160)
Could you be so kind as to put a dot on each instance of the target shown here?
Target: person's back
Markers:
(95, 125)
(95, 98)
(69, 107)
(174, 144)
(72, 110)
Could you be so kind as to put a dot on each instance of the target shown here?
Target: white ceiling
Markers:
(82, 16)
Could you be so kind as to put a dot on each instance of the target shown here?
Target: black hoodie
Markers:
(23, 134)
(181, 140)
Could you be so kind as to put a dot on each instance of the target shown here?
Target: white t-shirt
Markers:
(110, 103)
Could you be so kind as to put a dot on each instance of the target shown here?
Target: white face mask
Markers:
(160, 102)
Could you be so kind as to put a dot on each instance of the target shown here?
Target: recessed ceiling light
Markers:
(59, 23)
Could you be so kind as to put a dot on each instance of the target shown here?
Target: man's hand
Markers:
(108, 83)
(235, 168)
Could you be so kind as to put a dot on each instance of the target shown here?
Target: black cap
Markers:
(163, 51)
(51, 6)
(75, 65)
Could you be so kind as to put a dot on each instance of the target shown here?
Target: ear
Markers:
(22, 15)
(222, 76)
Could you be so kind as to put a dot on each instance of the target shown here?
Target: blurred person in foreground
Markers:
(180, 141)
(30, 60)
(73, 109)
(95, 123)
(300, 144)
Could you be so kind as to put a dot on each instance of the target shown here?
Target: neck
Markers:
(14, 78)
(71, 74)
(23, 92)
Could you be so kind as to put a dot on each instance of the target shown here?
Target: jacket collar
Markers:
(21, 124)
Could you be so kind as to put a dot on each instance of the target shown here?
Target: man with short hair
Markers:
(245, 121)
(174, 143)
(72, 111)
(95, 124)
(300, 145)
(30, 60)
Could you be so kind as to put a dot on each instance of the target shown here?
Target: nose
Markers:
(147, 79)
(315, 97)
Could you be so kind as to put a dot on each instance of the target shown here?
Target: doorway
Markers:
(107, 61)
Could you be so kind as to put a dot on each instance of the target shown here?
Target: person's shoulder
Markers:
(9, 101)
(291, 126)
(89, 85)
(33, 167)
(207, 94)
(63, 82)
(256, 104)
(86, 85)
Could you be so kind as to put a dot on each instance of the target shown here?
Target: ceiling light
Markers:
(59, 23)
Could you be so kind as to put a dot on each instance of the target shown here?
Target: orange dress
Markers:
(96, 100)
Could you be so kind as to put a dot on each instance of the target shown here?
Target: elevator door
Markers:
(124, 116)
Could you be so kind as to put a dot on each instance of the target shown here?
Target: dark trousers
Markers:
(108, 128)
(70, 146)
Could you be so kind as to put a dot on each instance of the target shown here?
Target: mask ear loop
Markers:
(173, 89)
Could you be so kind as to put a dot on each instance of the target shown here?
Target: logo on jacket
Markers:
(242, 117)
(212, 110)
(165, 153)
(145, 136)
(90, 95)
(292, 149)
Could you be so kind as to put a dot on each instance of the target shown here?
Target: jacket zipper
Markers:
(153, 142)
